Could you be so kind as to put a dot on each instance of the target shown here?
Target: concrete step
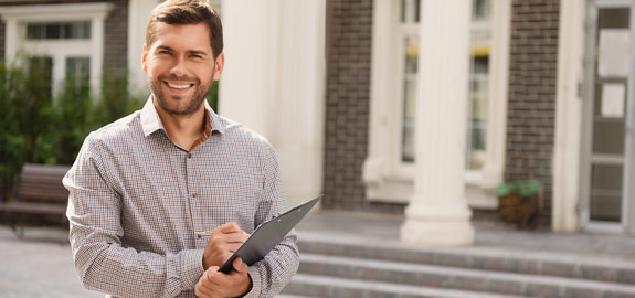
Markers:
(493, 259)
(322, 286)
(458, 278)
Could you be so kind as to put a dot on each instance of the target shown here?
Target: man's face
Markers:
(181, 66)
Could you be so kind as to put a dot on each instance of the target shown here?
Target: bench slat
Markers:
(33, 208)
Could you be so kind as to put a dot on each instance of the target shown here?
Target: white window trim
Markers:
(387, 178)
(17, 16)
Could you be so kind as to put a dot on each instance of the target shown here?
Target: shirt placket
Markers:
(194, 195)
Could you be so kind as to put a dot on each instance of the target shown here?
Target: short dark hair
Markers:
(187, 12)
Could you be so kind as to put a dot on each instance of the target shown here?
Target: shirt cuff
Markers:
(191, 267)
(256, 282)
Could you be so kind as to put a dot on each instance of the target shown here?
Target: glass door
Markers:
(606, 177)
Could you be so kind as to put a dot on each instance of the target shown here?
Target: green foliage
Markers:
(212, 96)
(25, 120)
(36, 128)
(41, 127)
(524, 188)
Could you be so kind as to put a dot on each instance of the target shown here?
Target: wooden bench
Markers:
(40, 192)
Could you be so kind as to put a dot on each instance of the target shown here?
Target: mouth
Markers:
(178, 85)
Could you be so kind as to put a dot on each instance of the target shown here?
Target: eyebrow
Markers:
(162, 47)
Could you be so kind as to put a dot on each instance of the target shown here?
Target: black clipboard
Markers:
(267, 235)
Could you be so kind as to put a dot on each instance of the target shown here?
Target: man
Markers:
(142, 186)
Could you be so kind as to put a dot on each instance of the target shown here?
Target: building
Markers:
(490, 90)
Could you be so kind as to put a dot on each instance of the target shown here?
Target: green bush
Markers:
(25, 119)
(36, 128)
(40, 127)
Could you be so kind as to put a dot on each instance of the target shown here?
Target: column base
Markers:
(451, 228)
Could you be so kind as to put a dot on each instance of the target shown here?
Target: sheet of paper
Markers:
(613, 100)
(615, 52)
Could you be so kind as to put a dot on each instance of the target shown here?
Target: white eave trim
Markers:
(55, 12)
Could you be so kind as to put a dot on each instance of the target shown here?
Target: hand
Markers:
(214, 284)
(225, 240)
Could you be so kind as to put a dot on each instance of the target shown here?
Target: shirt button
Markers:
(194, 195)
(189, 155)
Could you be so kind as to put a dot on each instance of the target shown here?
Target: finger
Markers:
(202, 289)
(229, 227)
(207, 274)
(236, 237)
(215, 278)
(229, 247)
(239, 265)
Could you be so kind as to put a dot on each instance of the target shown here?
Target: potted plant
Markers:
(520, 202)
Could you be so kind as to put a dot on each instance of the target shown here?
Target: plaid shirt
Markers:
(136, 200)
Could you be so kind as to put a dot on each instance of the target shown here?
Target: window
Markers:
(70, 36)
(477, 112)
(409, 35)
(41, 67)
(478, 91)
(66, 30)
(78, 75)
(480, 10)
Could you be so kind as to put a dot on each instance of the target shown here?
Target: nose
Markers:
(179, 68)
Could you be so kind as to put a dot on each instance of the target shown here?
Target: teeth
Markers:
(179, 86)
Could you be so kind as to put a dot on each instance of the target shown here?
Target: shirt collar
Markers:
(150, 121)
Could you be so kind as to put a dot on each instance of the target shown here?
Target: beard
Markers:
(177, 105)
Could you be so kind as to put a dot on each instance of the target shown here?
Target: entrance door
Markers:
(607, 175)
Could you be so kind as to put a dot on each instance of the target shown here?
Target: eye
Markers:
(164, 52)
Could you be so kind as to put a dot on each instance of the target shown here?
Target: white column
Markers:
(248, 84)
(12, 41)
(297, 119)
(97, 63)
(274, 82)
(438, 212)
(567, 139)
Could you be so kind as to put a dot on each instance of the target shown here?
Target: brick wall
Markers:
(532, 91)
(349, 33)
(116, 39)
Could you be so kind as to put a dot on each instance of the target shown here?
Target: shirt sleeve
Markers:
(271, 274)
(102, 263)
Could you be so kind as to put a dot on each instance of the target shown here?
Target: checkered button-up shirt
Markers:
(136, 200)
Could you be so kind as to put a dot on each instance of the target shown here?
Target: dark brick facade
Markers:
(115, 38)
(349, 35)
(532, 91)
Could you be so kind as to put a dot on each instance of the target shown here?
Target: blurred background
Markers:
(500, 130)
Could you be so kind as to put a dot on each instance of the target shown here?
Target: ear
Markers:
(219, 63)
(144, 58)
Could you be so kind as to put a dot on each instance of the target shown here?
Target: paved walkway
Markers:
(41, 265)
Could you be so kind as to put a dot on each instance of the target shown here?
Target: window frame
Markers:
(17, 18)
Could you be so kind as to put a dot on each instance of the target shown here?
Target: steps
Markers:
(345, 266)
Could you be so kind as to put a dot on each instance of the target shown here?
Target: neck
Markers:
(182, 130)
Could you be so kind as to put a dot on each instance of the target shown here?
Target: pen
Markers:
(203, 234)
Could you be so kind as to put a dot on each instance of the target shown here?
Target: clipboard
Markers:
(267, 235)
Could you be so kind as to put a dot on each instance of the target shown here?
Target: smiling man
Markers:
(142, 186)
